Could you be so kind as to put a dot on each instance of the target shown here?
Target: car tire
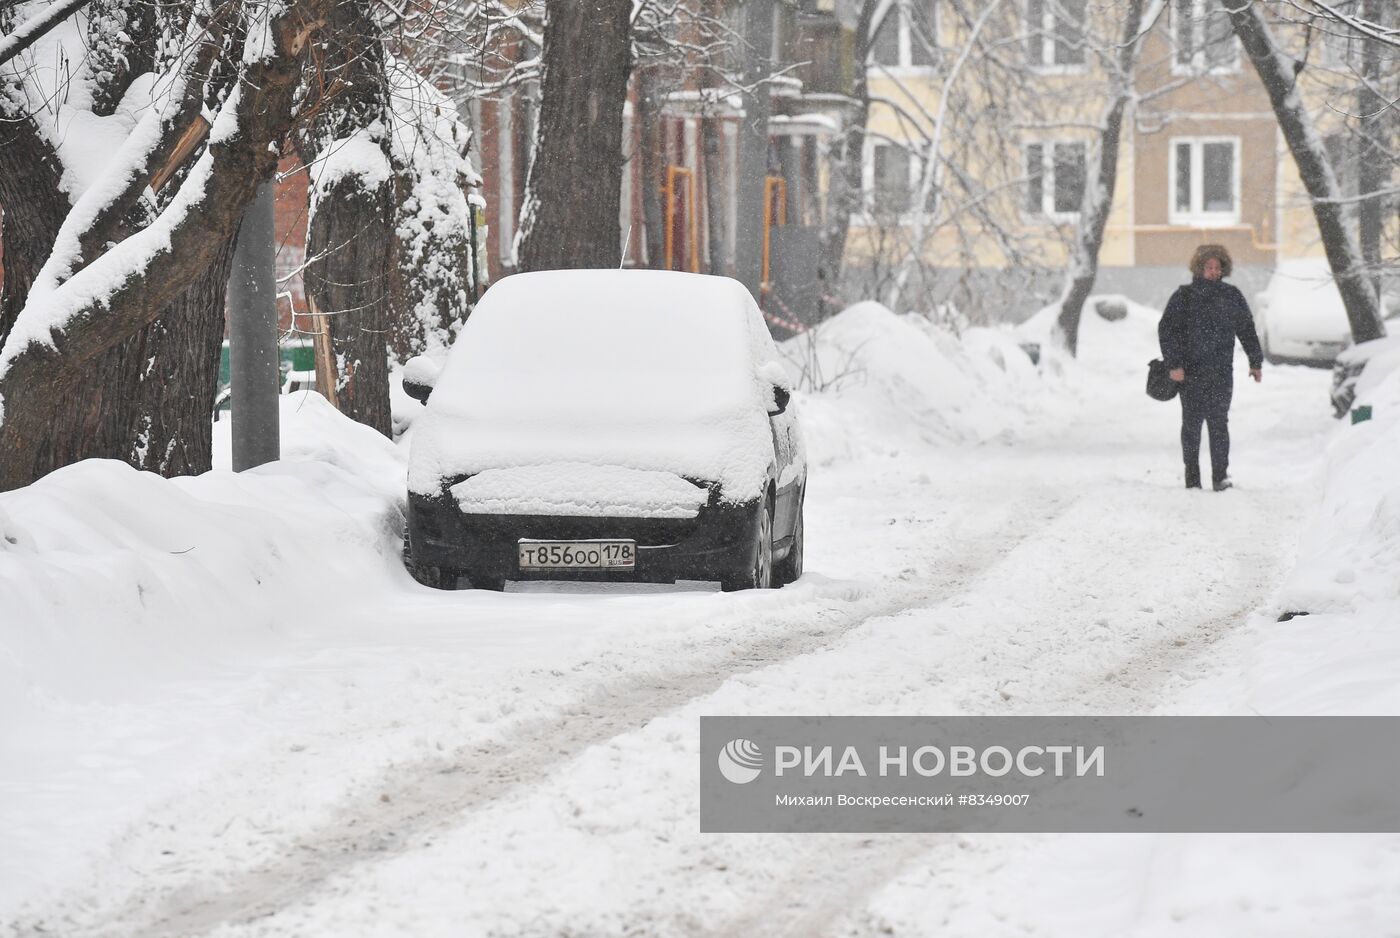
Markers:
(426, 574)
(760, 572)
(493, 583)
(789, 568)
(1269, 356)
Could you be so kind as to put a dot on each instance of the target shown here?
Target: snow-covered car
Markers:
(626, 425)
(1300, 317)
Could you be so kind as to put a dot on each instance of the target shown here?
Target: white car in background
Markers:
(1300, 317)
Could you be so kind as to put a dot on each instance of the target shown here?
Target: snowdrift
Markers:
(110, 575)
(875, 383)
(1349, 560)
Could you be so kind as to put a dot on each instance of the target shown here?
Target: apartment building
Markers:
(1201, 157)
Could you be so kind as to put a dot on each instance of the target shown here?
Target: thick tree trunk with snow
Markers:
(432, 291)
(118, 294)
(352, 238)
(350, 232)
(1098, 195)
(34, 208)
(177, 361)
(573, 199)
(1277, 72)
(845, 161)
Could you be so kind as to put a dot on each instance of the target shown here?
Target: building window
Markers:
(892, 179)
(1055, 174)
(1205, 40)
(906, 34)
(1205, 181)
(1055, 33)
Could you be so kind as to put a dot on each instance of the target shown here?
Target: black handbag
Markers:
(1160, 386)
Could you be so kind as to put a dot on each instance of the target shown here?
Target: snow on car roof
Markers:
(646, 369)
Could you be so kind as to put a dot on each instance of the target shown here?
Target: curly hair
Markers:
(1204, 253)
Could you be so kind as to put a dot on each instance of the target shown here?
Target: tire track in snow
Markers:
(826, 892)
(426, 794)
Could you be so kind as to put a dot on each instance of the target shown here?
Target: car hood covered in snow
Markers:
(642, 370)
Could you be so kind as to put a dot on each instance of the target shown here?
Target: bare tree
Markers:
(1098, 194)
(1279, 72)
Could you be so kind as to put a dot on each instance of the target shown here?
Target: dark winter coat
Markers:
(1199, 328)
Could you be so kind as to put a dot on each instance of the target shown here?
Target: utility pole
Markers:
(254, 372)
(753, 146)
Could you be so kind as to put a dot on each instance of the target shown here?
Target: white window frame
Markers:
(1195, 217)
(867, 182)
(1045, 63)
(1047, 213)
(1197, 65)
(900, 9)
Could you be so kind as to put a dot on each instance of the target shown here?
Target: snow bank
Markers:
(1349, 560)
(1108, 348)
(874, 382)
(111, 576)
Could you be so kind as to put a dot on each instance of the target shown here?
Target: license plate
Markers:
(578, 555)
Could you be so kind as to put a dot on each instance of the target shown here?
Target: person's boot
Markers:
(1193, 478)
(1222, 483)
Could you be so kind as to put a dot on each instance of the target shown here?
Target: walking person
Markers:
(1197, 334)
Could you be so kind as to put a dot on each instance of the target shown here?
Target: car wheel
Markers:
(790, 567)
(427, 574)
(760, 574)
(1269, 356)
(494, 583)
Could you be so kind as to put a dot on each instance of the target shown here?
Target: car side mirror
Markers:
(420, 374)
(777, 377)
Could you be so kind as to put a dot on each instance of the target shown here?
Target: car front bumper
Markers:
(717, 543)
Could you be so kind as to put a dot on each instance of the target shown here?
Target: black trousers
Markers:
(1206, 401)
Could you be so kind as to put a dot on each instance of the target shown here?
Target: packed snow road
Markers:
(384, 759)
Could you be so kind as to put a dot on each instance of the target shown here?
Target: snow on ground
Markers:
(226, 710)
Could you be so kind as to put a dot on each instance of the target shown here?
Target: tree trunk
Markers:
(1372, 162)
(573, 198)
(350, 233)
(651, 148)
(177, 364)
(1277, 72)
(1098, 195)
(436, 280)
(846, 156)
(34, 208)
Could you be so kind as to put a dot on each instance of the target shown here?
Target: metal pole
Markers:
(753, 147)
(254, 373)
